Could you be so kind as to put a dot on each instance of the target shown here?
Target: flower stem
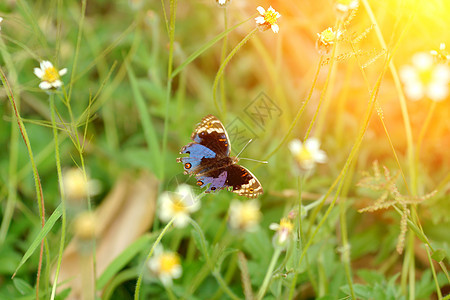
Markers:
(37, 180)
(139, 281)
(268, 277)
(224, 64)
(61, 191)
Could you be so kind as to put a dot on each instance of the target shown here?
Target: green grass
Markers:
(142, 74)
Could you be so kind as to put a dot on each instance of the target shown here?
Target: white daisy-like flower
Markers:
(307, 154)
(76, 188)
(344, 6)
(244, 215)
(178, 205)
(425, 78)
(49, 75)
(165, 265)
(222, 3)
(267, 19)
(326, 40)
(441, 55)
(283, 232)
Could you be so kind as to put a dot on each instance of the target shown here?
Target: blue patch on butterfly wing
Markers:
(216, 183)
(196, 153)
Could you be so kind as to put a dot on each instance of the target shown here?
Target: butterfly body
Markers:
(210, 161)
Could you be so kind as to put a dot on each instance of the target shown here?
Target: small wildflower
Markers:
(244, 215)
(307, 154)
(268, 19)
(165, 265)
(85, 226)
(222, 3)
(76, 188)
(441, 55)
(49, 75)
(178, 205)
(283, 232)
(326, 40)
(344, 6)
(425, 78)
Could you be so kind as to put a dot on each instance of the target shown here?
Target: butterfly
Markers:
(209, 160)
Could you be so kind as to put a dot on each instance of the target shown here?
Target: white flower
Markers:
(165, 265)
(222, 3)
(441, 55)
(244, 215)
(425, 78)
(178, 205)
(268, 19)
(307, 154)
(76, 188)
(283, 232)
(49, 75)
(346, 5)
(326, 40)
(1, 20)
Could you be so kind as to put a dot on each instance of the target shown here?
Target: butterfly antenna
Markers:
(260, 161)
(244, 148)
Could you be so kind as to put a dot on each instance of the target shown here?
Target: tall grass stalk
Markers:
(222, 68)
(37, 180)
(61, 192)
(158, 240)
(268, 276)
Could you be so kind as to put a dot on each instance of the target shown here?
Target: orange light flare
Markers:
(421, 26)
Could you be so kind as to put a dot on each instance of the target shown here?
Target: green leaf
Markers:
(42, 234)
(22, 286)
(123, 259)
(438, 255)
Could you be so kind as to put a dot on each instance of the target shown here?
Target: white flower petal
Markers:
(275, 28)
(312, 144)
(181, 220)
(45, 85)
(165, 279)
(414, 92)
(271, 9)
(274, 226)
(295, 146)
(422, 60)
(57, 83)
(320, 156)
(260, 20)
(437, 92)
(38, 72)
(177, 271)
(408, 74)
(261, 10)
(46, 65)
(62, 72)
(441, 74)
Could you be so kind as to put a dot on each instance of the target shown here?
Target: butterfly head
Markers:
(234, 159)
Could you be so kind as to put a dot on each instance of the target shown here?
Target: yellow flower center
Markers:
(178, 206)
(285, 224)
(328, 36)
(270, 17)
(345, 2)
(304, 155)
(168, 261)
(426, 75)
(248, 216)
(50, 75)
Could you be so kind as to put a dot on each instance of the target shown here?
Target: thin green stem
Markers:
(222, 58)
(327, 82)
(61, 191)
(299, 113)
(37, 180)
(433, 271)
(268, 277)
(224, 64)
(173, 10)
(156, 243)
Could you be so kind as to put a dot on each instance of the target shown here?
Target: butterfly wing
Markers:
(211, 133)
(240, 179)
